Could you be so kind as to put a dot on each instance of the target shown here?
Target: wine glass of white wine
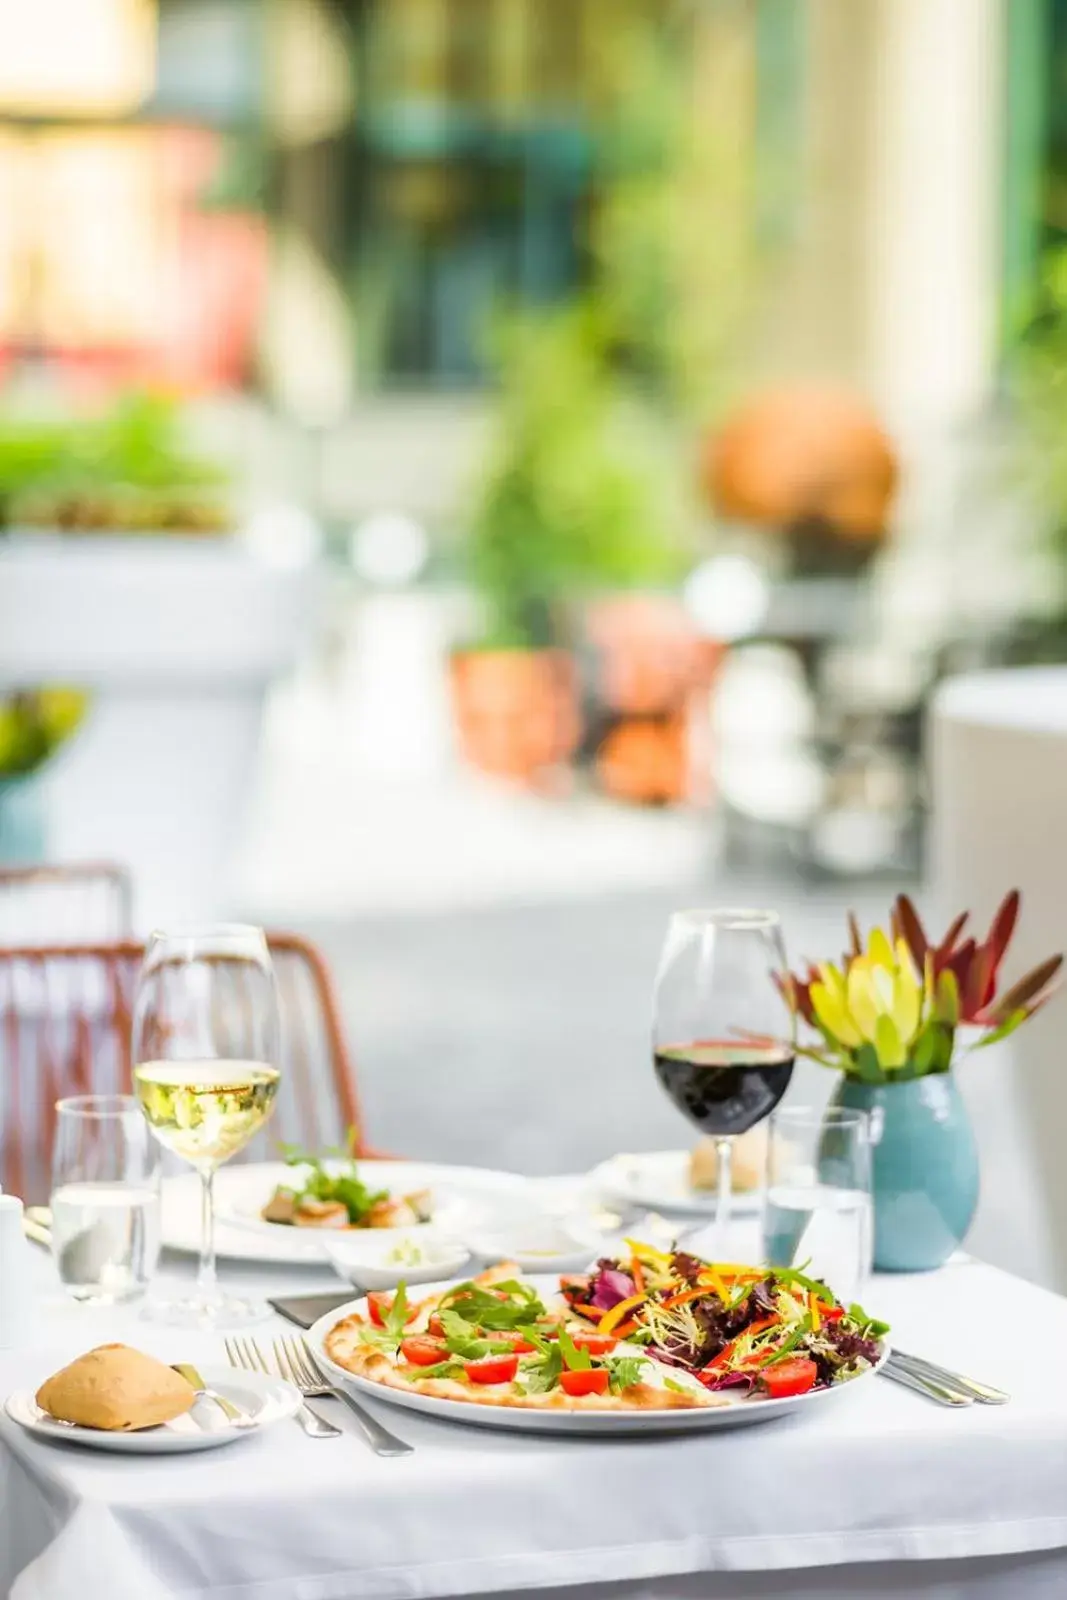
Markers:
(205, 1051)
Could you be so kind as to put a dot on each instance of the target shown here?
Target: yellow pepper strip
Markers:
(647, 1255)
(712, 1277)
(617, 1314)
(813, 1307)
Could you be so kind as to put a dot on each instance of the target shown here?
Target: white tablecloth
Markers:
(877, 1493)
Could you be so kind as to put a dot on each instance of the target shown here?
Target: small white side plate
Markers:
(266, 1400)
(363, 1257)
(659, 1179)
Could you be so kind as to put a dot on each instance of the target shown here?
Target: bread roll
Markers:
(117, 1389)
(749, 1163)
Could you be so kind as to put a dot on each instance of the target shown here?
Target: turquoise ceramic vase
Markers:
(21, 822)
(924, 1168)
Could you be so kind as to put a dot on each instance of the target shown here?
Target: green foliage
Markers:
(575, 496)
(125, 466)
(1039, 380)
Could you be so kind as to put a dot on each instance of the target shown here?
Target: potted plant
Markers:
(889, 1019)
(33, 724)
(121, 471)
(571, 503)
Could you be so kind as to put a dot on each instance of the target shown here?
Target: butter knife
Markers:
(234, 1415)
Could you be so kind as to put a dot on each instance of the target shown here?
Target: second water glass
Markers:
(105, 1198)
(818, 1215)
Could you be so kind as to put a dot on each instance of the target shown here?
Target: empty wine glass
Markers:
(205, 1047)
(722, 1033)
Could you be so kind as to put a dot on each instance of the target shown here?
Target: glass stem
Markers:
(205, 1278)
(724, 1152)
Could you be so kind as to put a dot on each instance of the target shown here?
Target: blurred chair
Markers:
(88, 903)
(65, 1014)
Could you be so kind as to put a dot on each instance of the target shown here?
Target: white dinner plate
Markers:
(659, 1179)
(266, 1400)
(735, 1414)
(464, 1197)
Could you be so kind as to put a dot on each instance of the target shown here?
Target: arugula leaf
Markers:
(320, 1183)
(543, 1374)
(625, 1371)
(475, 1349)
(395, 1319)
(577, 1360)
(455, 1326)
(443, 1369)
(868, 1325)
(484, 1310)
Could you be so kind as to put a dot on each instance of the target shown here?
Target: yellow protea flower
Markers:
(877, 1000)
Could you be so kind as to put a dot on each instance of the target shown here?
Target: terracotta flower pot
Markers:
(517, 711)
(652, 674)
(804, 456)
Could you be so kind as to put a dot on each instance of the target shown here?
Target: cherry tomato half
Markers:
(593, 1380)
(515, 1338)
(379, 1306)
(598, 1344)
(421, 1351)
(492, 1369)
(795, 1375)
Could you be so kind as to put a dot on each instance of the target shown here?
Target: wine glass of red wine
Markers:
(723, 1032)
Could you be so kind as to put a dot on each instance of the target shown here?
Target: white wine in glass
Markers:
(205, 1039)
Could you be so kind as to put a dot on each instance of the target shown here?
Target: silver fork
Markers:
(296, 1361)
(984, 1393)
(247, 1354)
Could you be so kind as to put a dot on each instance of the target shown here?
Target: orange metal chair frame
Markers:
(119, 961)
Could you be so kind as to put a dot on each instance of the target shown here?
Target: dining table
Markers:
(873, 1491)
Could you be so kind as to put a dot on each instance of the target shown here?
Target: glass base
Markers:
(218, 1311)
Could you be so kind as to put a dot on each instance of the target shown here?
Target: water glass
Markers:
(818, 1214)
(105, 1198)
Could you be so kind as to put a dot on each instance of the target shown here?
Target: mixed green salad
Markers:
(767, 1331)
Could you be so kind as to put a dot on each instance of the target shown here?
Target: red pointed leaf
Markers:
(948, 942)
(912, 929)
(1003, 926)
(978, 985)
(960, 962)
(1027, 989)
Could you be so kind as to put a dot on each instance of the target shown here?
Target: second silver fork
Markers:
(245, 1353)
(296, 1362)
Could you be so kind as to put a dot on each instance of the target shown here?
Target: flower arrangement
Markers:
(33, 724)
(891, 1010)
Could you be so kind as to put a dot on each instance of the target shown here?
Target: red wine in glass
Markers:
(722, 1033)
(724, 1088)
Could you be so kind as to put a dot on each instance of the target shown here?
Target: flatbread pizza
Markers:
(493, 1341)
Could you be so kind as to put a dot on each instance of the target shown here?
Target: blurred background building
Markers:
(576, 438)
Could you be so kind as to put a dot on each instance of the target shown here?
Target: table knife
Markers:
(233, 1414)
(984, 1393)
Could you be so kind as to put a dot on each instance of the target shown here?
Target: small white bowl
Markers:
(365, 1258)
(540, 1244)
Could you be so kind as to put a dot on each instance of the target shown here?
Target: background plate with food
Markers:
(685, 1180)
(656, 1341)
(451, 1200)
